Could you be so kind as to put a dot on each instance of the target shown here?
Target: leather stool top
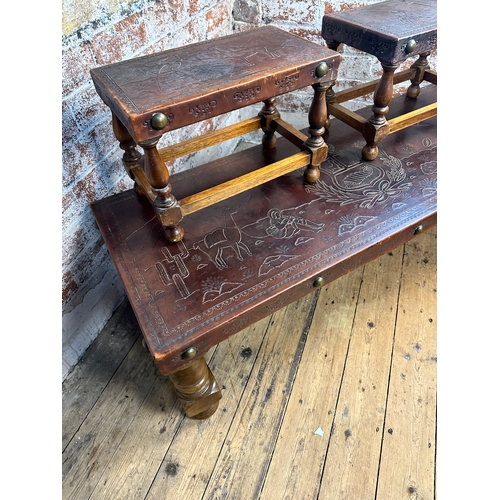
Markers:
(391, 31)
(195, 82)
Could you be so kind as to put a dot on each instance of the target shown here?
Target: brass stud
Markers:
(411, 46)
(418, 229)
(321, 69)
(159, 121)
(189, 353)
(319, 282)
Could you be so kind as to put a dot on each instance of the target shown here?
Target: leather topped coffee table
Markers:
(251, 254)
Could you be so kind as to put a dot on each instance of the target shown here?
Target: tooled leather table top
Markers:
(196, 81)
(258, 251)
(383, 29)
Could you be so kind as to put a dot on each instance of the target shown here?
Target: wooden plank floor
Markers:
(332, 397)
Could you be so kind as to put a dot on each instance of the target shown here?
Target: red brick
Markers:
(88, 108)
(120, 42)
(70, 166)
(329, 7)
(80, 113)
(83, 266)
(193, 7)
(69, 286)
(69, 128)
(76, 65)
(164, 16)
(87, 150)
(78, 196)
(216, 17)
(196, 6)
(308, 34)
(72, 245)
(193, 32)
(298, 11)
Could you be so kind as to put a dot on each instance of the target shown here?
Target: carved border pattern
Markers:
(203, 108)
(286, 83)
(248, 94)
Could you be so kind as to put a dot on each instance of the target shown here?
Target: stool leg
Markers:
(318, 115)
(131, 157)
(197, 389)
(330, 99)
(268, 114)
(375, 129)
(330, 93)
(420, 66)
(166, 206)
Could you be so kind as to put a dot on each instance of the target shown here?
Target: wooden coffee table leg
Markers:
(197, 389)
(376, 128)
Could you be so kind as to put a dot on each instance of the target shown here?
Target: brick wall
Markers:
(106, 31)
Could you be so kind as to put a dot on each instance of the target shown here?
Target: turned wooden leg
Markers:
(197, 389)
(165, 204)
(318, 115)
(330, 93)
(375, 129)
(268, 114)
(420, 66)
(330, 99)
(131, 156)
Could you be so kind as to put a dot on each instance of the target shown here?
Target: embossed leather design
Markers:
(191, 83)
(243, 258)
(384, 29)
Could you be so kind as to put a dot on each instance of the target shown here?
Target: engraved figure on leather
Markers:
(215, 242)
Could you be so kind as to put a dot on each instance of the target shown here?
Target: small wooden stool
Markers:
(154, 94)
(392, 31)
